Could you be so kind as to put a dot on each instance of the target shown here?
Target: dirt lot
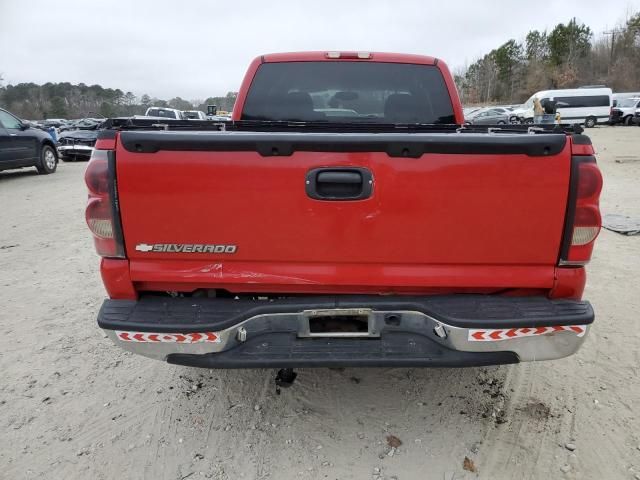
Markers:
(72, 405)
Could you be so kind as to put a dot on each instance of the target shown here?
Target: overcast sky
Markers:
(196, 49)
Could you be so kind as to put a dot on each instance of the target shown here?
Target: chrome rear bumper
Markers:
(282, 336)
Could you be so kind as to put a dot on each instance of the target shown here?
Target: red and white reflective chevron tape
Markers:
(496, 335)
(142, 337)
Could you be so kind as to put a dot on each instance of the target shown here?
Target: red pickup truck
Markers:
(345, 216)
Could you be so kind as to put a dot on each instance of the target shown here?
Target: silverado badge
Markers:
(185, 248)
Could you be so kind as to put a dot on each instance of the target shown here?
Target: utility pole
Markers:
(613, 42)
(613, 33)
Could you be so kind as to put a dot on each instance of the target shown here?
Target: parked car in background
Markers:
(54, 122)
(162, 112)
(467, 111)
(585, 106)
(194, 115)
(493, 116)
(34, 124)
(472, 113)
(22, 146)
(624, 111)
(507, 109)
(81, 124)
(78, 144)
(337, 112)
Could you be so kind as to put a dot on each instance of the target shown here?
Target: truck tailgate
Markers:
(445, 210)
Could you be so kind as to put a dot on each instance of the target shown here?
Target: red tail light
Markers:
(583, 212)
(102, 214)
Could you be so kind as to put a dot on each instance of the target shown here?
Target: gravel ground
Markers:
(72, 405)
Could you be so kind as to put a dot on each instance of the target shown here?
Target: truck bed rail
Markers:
(127, 123)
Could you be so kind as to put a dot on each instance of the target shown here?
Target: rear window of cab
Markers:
(350, 92)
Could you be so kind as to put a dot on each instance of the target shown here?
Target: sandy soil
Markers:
(72, 405)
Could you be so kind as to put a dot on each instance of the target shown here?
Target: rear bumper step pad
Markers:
(456, 330)
(184, 315)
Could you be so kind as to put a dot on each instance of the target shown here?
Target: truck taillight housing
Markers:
(102, 213)
(583, 220)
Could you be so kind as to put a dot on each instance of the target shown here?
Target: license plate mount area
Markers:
(338, 323)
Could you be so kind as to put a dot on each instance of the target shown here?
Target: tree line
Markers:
(568, 56)
(66, 100)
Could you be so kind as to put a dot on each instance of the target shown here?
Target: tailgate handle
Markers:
(339, 177)
(339, 183)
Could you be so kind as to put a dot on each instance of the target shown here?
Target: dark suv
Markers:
(23, 146)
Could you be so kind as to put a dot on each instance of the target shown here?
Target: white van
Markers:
(625, 111)
(588, 106)
(618, 97)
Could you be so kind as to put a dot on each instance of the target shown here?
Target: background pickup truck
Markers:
(344, 217)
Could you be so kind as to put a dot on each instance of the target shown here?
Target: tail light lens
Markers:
(102, 213)
(583, 212)
(586, 226)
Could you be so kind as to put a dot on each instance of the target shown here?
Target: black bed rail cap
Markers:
(406, 144)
